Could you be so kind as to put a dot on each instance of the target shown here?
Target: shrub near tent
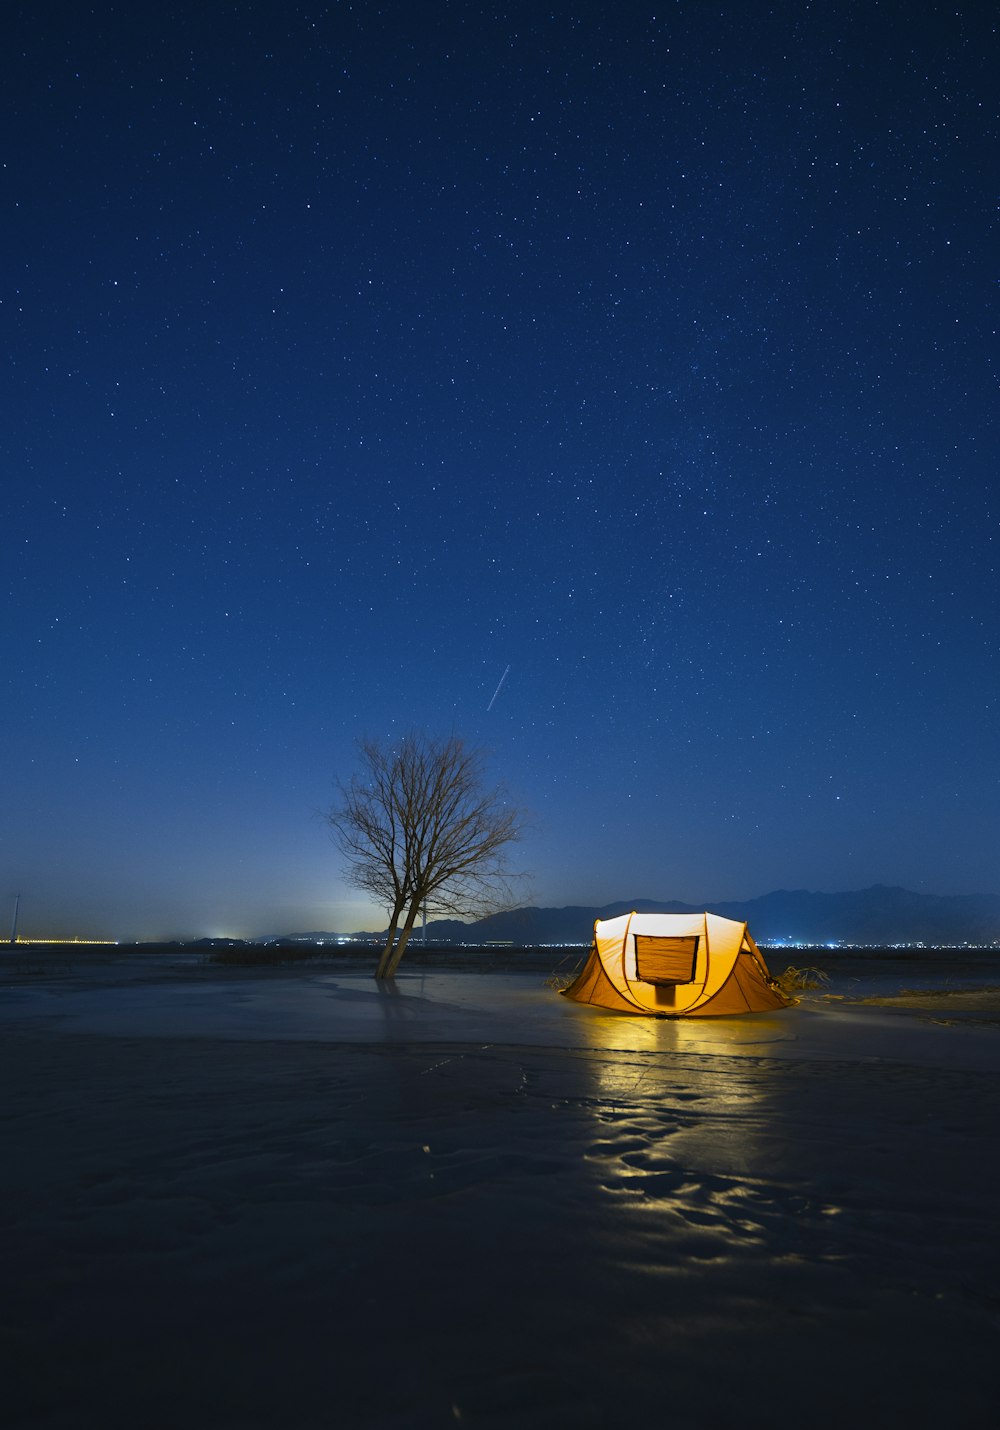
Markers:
(676, 966)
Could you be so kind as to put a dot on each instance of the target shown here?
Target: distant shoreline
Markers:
(294, 950)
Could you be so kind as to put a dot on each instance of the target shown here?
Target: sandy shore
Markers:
(228, 1229)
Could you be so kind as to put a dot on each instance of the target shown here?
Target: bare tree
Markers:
(419, 829)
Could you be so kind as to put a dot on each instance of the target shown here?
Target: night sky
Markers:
(356, 352)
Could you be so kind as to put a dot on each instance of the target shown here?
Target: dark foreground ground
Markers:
(218, 1232)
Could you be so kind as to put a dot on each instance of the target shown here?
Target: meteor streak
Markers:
(498, 689)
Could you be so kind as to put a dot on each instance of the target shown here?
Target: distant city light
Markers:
(16, 943)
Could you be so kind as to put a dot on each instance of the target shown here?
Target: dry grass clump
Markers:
(559, 981)
(794, 980)
(560, 978)
(269, 957)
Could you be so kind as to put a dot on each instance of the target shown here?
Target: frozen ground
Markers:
(238, 1199)
(429, 1006)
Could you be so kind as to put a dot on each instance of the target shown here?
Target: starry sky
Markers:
(358, 351)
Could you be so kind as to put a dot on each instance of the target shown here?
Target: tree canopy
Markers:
(421, 829)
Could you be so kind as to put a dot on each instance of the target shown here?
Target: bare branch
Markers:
(418, 829)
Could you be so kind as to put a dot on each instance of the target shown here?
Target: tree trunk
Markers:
(397, 953)
(382, 971)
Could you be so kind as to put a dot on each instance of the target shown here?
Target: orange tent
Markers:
(676, 965)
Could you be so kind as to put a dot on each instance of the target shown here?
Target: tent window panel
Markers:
(666, 960)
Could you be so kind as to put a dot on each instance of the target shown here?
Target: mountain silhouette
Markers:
(879, 915)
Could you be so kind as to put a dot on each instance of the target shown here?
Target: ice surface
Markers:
(496, 1008)
(294, 1202)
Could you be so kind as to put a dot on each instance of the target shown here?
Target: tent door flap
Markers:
(666, 961)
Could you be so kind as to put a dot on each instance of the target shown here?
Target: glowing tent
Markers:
(676, 965)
